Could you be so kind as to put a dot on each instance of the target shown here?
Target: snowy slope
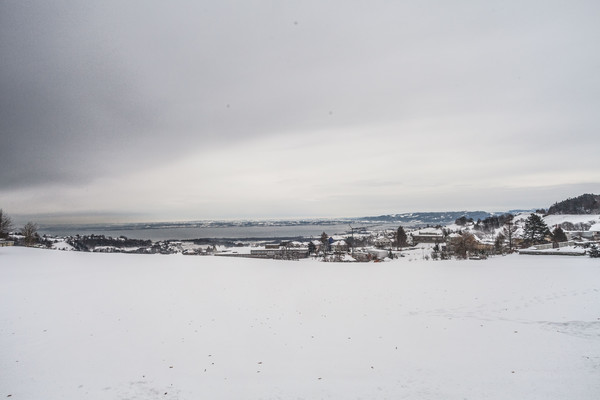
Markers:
(115, 326)
(589, 219)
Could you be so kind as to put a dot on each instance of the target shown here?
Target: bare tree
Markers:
(30, 233)
(463, 244)
(5, 224)
(509, 231)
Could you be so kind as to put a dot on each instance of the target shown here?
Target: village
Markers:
(569, 228)
(427, 243)
(525, 233)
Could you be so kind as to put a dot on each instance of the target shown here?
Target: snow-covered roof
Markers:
(558, 219)
(429, 231)
(595, 227)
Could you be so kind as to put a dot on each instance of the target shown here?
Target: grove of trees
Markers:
(584, 204)
(493, 222)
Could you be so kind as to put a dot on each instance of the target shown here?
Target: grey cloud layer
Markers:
(89, 90)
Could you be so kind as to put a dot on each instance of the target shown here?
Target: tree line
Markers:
(584, 204)
(29, 231)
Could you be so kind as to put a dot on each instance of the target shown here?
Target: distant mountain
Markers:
(427, 218)
(584, 204)
(414, 219)
(518, 211)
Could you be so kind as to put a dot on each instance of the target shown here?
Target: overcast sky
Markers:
(185, 110)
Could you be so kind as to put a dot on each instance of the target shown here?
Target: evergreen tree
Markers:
(325, 240)
(462, 221)
(594, 252)
(558, 235)
(499, 243)
(535, 229)
(401, 238)
(312, 248)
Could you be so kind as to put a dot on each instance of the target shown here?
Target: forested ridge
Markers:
(584, 204)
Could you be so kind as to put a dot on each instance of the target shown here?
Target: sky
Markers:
(190, 110)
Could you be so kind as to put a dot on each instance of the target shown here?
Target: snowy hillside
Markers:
(581, 222)
(113, 326)
(569, 223)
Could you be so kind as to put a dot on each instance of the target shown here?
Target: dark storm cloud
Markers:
(64, 95)
(88, 89)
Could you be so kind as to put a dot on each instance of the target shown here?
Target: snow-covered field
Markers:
(114, 326)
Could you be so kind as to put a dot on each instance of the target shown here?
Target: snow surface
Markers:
(571, 250)
(62, 245)
(121, 326)
(557, 219)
